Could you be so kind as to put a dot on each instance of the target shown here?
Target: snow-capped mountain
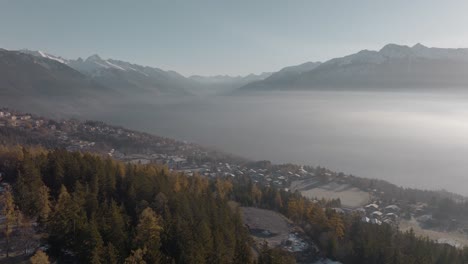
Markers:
(393, 66)
(132, 77)
(124, 76)
(42, 54)
(40, 74)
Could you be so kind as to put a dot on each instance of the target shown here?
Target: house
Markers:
(388, 221)
(392, 209)
(391, 216)
(371, 207)
(376, 214)
(360, 211)
(338, 210)
(24, 117)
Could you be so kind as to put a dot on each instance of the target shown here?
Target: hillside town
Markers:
(141, 148)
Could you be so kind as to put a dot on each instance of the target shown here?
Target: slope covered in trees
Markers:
(96, 210)
(345, 237)
(93, 209)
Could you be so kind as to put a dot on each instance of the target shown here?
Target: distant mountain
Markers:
(394, 66)
(127, 77)
(282, 77)
(226, 83)
(25, 74)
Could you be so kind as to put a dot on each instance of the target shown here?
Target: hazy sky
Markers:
(227, 37)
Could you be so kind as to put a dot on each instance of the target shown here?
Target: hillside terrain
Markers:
(96, 175)
(392, 67)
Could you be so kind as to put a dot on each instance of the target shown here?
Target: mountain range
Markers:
(124, 77)
(394, 66)
(32, 73)
(23, 74)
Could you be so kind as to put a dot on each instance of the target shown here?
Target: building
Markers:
(371, 207)
(392, 209)
(376, 214)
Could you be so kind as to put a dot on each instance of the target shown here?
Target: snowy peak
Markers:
(421, 51)
(98, 61)
(43, 54)
(394, 51)
(392, 66)
(93, 64)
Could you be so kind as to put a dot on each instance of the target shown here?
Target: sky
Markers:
(227, 37)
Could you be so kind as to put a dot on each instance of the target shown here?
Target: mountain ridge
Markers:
(393, 66)
(126, 75)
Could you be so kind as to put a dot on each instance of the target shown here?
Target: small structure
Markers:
(392, 209)
(371, 207)
(391, 216)
(376, 214)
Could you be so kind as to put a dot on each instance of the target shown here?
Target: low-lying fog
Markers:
(410, 139)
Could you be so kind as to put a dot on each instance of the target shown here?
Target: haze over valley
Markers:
(399, 129)
(234, 132)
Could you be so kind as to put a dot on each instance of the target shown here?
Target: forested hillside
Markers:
(94, 210)
(91, 209)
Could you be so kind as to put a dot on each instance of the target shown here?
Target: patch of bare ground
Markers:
(266, 225)
(453, 238)
(351, 197)
(279, 231)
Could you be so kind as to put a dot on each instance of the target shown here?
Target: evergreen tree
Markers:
(8, 210)
(148, 233)
(39, 258)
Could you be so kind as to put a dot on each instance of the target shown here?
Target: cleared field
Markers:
(350, 196)
(451, 238)
(269, 225)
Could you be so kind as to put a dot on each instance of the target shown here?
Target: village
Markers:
(190, 159)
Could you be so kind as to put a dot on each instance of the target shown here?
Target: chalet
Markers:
(360, 211)
(371, 207)
(389, 221)
(24, 117)
(392, 209)
(391, 216)
(376, 214)
(338, 210)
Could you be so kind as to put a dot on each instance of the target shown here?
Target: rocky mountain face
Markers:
(394, 66)
(26, 74)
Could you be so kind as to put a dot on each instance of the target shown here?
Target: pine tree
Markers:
(39, 258)
(8, 210)
(44, 204)
(136, 257)
(111, 254)
(148, 233)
